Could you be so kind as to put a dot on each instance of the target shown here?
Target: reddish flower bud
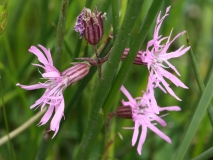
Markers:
(91, 25)
(76, 72)
(124, 112)
(137, 59)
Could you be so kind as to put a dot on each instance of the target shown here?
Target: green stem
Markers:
(199, 79)
(96, 116)
(23, 127)
(205, 155)
(60, 34)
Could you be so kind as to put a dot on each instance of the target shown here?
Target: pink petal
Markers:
(50, 75)
(31, 87)
(159, 120)
(56, 129)
(126, 93)
(135, 134)
(128, 104)
(176, 53)
(38, 65)
(173, 78)
(142, 139)
(57, 117)
(40, 100)
(168, 44)
(39, 54)
(170, 108)
(46, 116)
(172, 67)
(167, 9)
(53, 90)
(47, 52)
(166, 85)
(158, 132)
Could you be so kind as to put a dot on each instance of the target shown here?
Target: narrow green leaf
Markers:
(199, 80)
(195, 121)
(3, 17)
(115, 18)
(205, 155)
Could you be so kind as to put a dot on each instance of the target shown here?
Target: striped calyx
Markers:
(124, 112)
(75, 73)
(93, 24)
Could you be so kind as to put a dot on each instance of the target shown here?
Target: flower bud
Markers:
(124, 112)
(90, 24)
(76, 72)
(137, 59)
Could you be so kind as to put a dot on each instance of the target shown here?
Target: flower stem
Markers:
(98, 61)
(199, 78)
(23, 127)
(60, 34)
(96, 116)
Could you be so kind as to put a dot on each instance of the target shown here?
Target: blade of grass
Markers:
(199, 79)
(195, 121)
(205, 155)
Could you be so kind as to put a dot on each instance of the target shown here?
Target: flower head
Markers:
(90, 24)
(55, 84)
(156, 56)
(144, 115)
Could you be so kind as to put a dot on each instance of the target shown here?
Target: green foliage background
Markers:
(34, 22)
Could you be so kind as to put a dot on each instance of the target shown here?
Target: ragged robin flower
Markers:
(55, 83)
(139, 110)
(156, 54)
(156, 57)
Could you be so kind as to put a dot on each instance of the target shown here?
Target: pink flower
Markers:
(143, 115)
(55, 84)
(156, 57)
